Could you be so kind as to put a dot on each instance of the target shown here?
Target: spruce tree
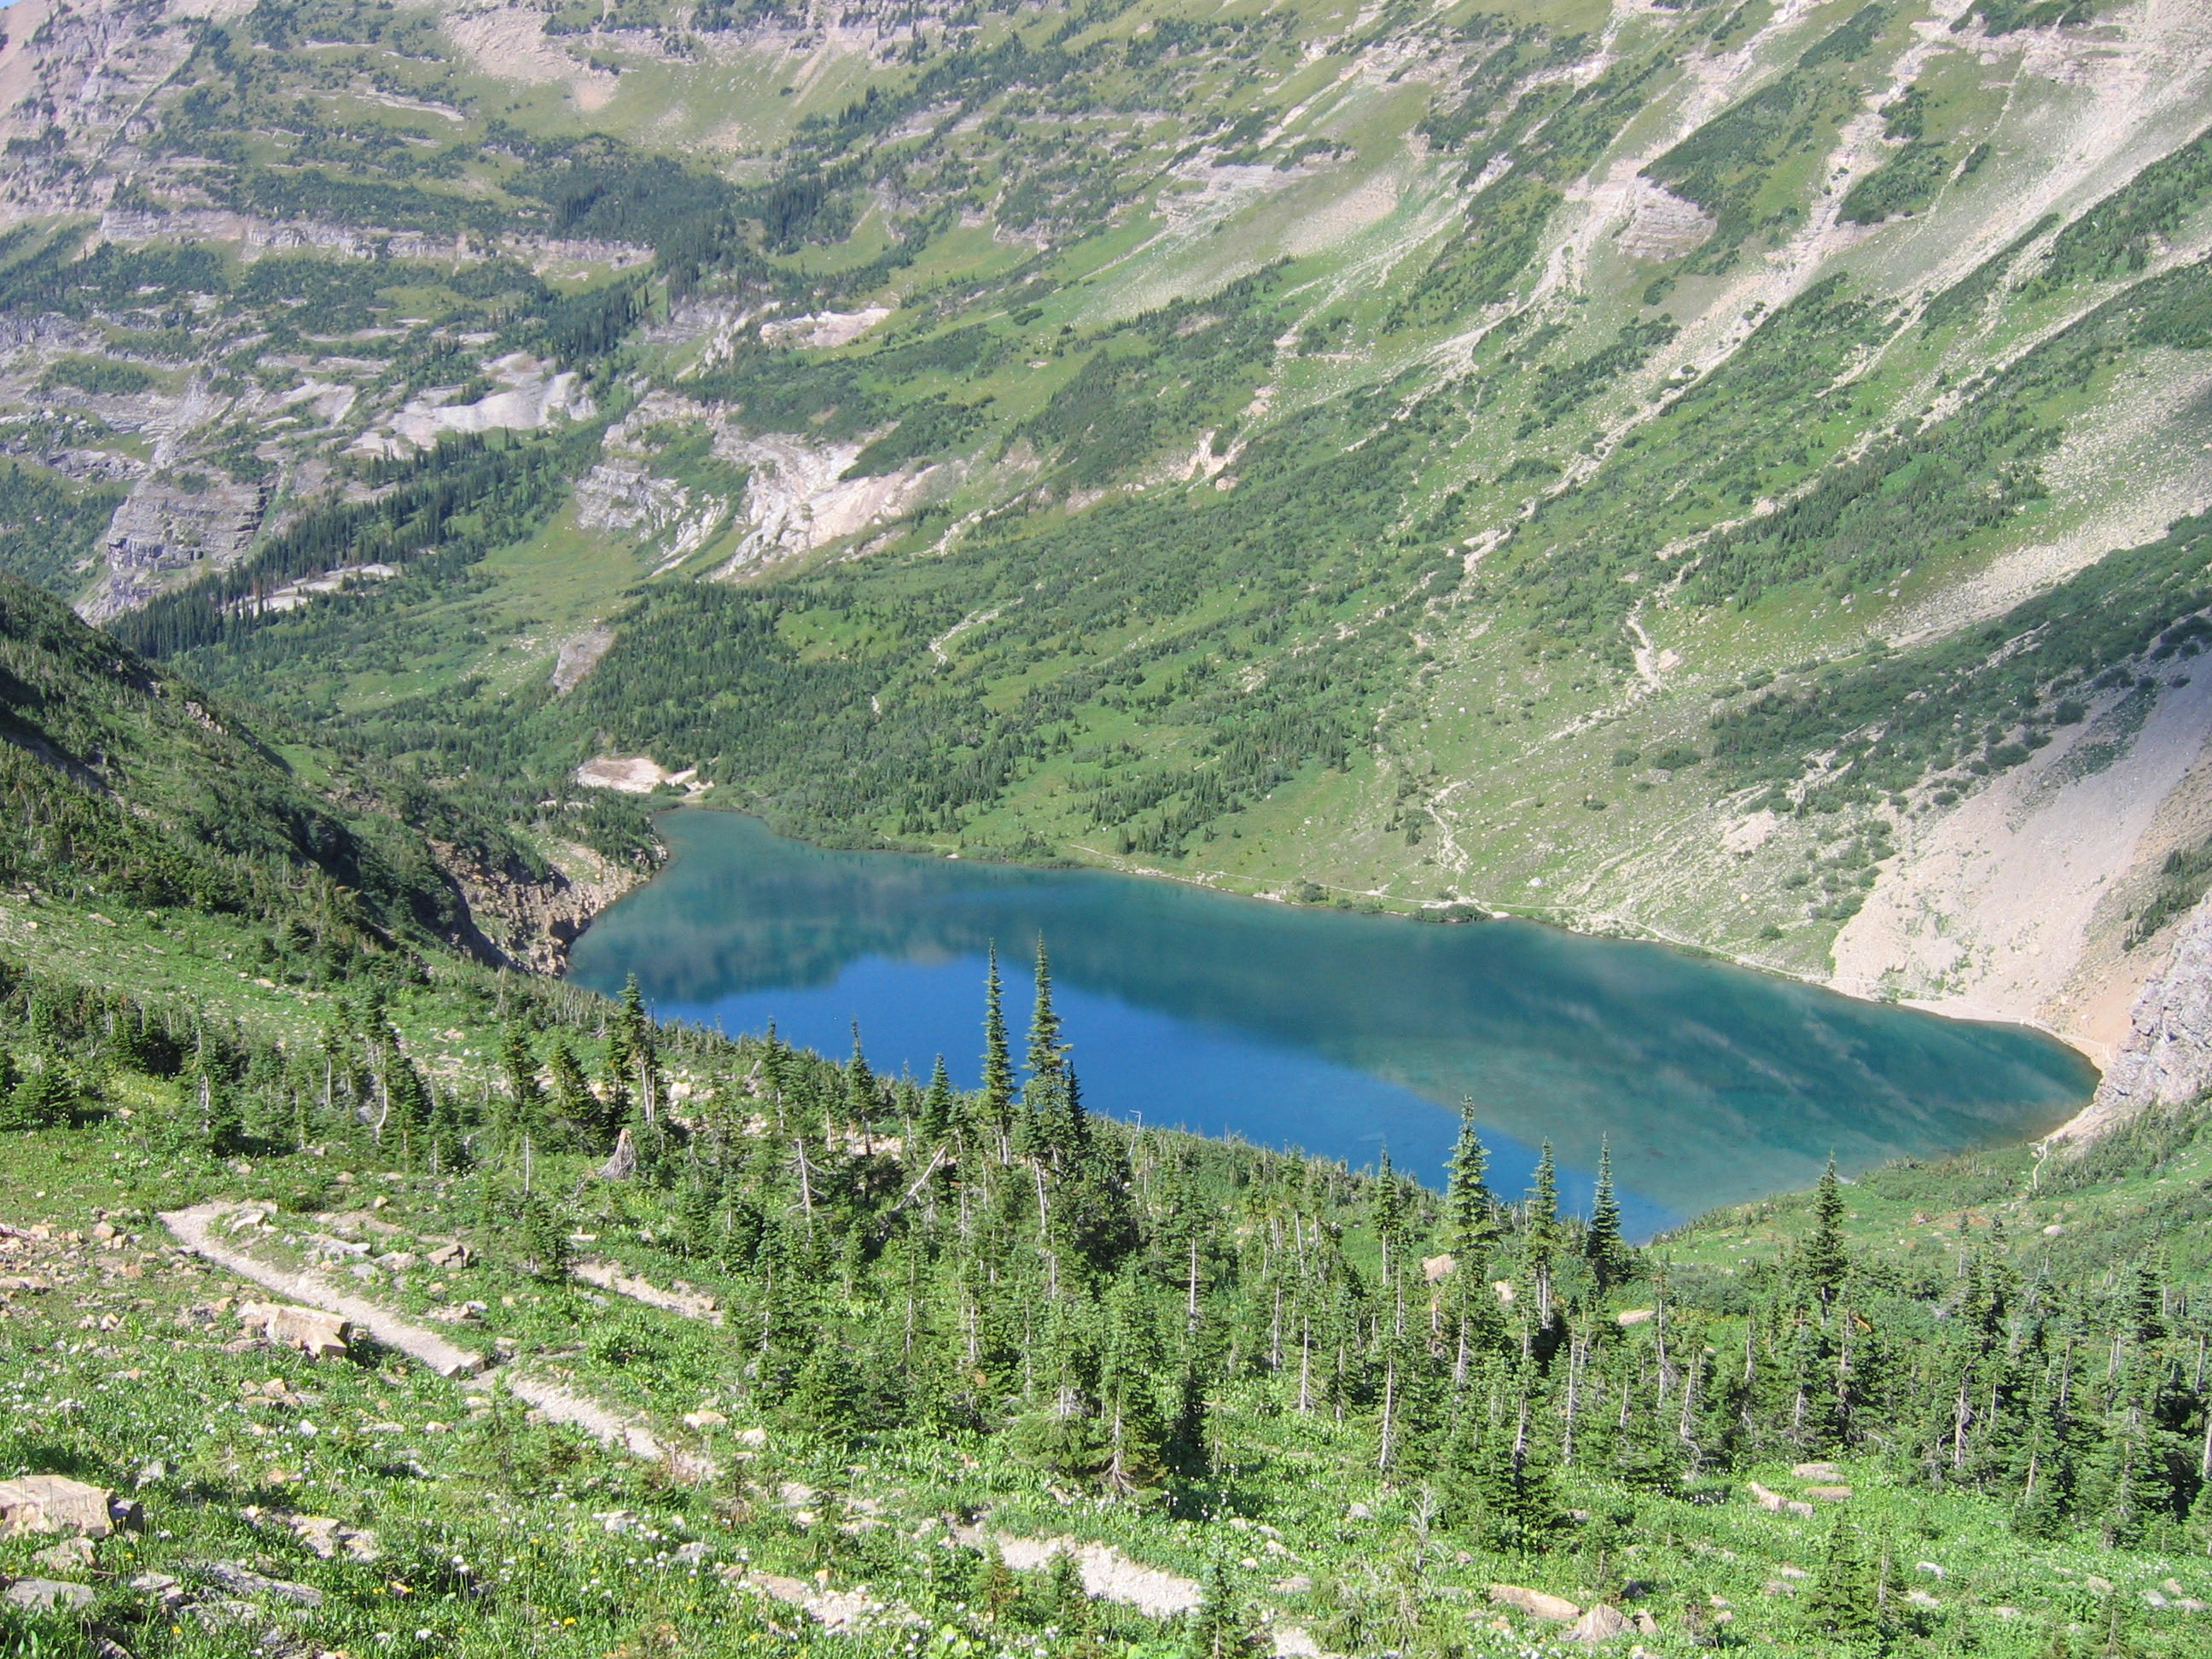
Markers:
(1388, 1208)
(1540, 1237)
(1045, 1049)
(997, 1105)
(860, 1086)
(543, 1238)
(574, 1103)
(1842, 1603)
(1220, 1627)
(936, 1107)
(1601, 1242)
(1824, 1261)
(1469, 1204)
(526, 1096)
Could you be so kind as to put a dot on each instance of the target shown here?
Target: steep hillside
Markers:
(134, 790)
(1696, 470)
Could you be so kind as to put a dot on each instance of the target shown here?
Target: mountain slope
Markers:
(135, 790)
(1514, 453)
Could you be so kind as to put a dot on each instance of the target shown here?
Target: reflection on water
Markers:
(1332, 1031)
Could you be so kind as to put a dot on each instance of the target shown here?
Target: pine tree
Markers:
(860, 1104)
(574, 1103)
(526, 1096)
(1219, 1627)
(1842, 1603)
(544, 1237)
(1541, 1230)
(937, 1107)
(1388, 1208)
(1824, 1261)
(1130, 1363)
(1045, 1048)
(1601, 1242)
(1070, 1602)
(1471, 1210)
(997, 1105)
(1187, 1450)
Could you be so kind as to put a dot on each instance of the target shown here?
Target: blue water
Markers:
(1338, 1033)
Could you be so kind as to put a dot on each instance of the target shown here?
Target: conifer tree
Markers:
(526, 1096)
(1842, 1603)
(544, 1237)
(1602, 1243)
(1388, 1207)
(1824, 1261)
(937, 1107)
(573, 1102)
(1541, 1230)
(860, 1086)
(1130, 1363)
(1220, 1627)
(1467, 1202)
(996, 1104)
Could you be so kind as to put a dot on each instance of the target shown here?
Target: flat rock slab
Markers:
(314, 1333)
(54, 1502)
(1537, 1604)
(46, 1595)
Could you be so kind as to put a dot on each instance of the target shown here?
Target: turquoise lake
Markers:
(1338, 1033)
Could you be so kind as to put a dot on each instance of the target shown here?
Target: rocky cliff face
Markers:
(528, 921)
(2166, 1058)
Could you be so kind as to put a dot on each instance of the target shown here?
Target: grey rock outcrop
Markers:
(2167, 1059)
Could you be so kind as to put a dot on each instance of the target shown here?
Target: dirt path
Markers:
(195, 1229)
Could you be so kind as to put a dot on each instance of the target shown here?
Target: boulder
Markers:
(47, 1596)
(1434, 1267)
(70, 1555)
(1536, 1603)
(315, 1333)
(54, 1502)
(1817, 1471)
(1828, 1494)
(1601, 1624)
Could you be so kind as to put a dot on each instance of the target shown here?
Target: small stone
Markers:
(1921, 1598)
(754, 1438)
(1934, 1570)
(704, 1419)
(1645, 1623)
(2102, 1586)
(1816, 1472)
(1359, 1512)
(46, 1595)
(1828, 1494)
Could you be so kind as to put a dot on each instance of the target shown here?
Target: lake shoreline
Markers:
(1112, 864)
(1300, 1023)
